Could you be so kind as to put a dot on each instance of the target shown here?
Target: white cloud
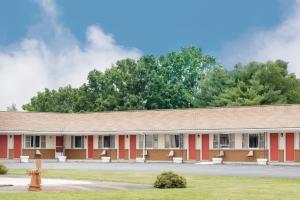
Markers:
(51, 56)
(281, 42)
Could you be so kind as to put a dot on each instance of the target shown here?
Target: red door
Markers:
(59, 144)
(289, 147)
(192, 147)
(121, 147)
(274, 146)
(132, 146)
(205, 147)
(17, 146)
(90, 146)
(3, 146)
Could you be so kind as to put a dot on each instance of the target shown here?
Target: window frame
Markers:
(32, 142)
(180, 142)
(102, 142)
(258, 142)
(230, 141)
(154, 140)
(73, 142)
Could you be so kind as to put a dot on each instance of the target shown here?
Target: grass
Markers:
(199, 187)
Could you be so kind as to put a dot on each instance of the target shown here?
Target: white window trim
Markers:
(223, 148)
(40, 147)
(144, 144)
(82, 144)
(103, 142)
(175, 148)
(255, 148)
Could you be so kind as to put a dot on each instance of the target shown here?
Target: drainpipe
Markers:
(267, 157)
(181, 141)
(144, 146)
(22, 144)
(63, 146)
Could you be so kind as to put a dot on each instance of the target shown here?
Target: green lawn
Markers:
(199, 187)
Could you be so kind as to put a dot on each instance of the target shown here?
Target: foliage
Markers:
(169, 180)
(186, 79)
(259, 84)
(3, 169)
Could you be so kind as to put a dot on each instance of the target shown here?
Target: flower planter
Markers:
(177, 159)
(105, 159)
(140, 160)
(261, 161)
(217, 160)
(24, 159)
(61, 158)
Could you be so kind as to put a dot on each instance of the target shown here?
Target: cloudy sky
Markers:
(48, 43)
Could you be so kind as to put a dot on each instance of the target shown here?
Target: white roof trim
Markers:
(191, 131)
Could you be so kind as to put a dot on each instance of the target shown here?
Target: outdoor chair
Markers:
(250, 155)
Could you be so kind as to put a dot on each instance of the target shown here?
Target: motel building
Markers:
(233, 134)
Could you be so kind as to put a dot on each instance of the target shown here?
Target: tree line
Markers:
(183, 79)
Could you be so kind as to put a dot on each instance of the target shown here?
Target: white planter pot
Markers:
(261, 161)
(177, 159)
(140, 160)
(217, 160)
(24, 159)
(105, 159)
(61, 158)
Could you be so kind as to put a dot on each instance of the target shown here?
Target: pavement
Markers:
(190, 168)
(20, 184)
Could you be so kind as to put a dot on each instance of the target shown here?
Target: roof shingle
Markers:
(255, 117)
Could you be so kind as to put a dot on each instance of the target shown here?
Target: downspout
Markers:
(144, 147)
(22, 146)
(266, 145)
(181, 141)
(63, 145)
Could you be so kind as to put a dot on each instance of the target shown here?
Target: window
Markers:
(221, 141)
(77, 142)
(174, 141)
(106, 141)
(35, 141)
(151, 141)
(253, 140)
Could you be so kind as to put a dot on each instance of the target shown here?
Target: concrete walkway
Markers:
(224, 170)
(19, 184)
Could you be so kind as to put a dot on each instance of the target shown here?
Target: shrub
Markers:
(3, 169)
(170, 180)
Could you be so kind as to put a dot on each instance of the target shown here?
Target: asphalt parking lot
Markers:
(191, 168)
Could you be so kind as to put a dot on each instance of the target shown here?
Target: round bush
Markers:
(3, 169)
(170, 180)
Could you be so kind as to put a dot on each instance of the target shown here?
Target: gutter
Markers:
(133, 132)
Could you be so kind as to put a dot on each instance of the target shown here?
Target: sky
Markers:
(51, 43)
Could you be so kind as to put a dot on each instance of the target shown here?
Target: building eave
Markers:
(134, 132)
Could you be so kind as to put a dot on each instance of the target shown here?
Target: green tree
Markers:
(260, 83)
(184, 79)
